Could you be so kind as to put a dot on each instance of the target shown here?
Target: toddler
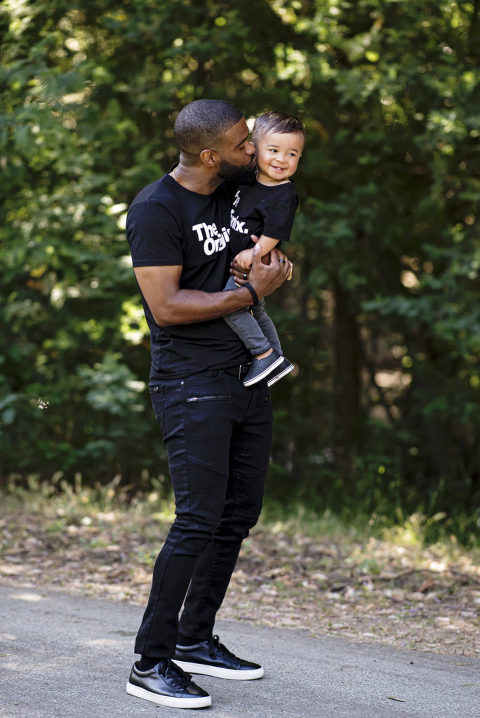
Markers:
(266, 209)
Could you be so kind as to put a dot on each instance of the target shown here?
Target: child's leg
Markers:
(247, 328)
(267, 326)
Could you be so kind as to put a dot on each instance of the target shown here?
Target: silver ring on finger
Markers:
(282, 261)
(245, 275)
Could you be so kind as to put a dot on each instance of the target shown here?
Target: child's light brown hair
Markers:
(276, 122)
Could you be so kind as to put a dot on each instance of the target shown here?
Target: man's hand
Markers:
(169, 304)
(266, 278)
(241, 271)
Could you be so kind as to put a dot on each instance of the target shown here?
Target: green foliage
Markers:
(392, 227)
(380, 317)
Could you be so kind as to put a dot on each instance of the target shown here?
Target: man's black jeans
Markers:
(218, 438)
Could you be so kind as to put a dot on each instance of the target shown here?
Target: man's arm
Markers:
(169, 304)
(276, 255)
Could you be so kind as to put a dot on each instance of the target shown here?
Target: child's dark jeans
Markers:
(254, 328)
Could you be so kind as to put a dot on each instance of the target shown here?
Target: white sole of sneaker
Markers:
(279, 376)
(227, 673)
(160, 700)
(265, 373)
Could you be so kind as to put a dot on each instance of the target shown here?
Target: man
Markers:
(217, 432)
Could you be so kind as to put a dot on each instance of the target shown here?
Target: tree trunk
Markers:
(346, 378)
(473, 31)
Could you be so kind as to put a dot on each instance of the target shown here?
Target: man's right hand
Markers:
(266, 278)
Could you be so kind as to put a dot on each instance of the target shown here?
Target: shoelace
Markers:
(170, 669)
(215, 645)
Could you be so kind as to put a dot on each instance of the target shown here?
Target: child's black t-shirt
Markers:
(168, 225)
(262, 209)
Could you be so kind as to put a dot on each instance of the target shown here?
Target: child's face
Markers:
(278, 155)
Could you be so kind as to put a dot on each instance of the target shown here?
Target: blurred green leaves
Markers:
(386, 237)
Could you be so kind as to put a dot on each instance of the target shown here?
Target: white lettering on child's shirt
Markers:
(235, 223)
(213, 239)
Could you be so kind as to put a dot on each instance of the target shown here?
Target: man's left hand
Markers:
(241, 274)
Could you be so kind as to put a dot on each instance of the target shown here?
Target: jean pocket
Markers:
(157, 398)
(264, 396)
(207, 397)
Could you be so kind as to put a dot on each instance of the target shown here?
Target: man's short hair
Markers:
(276, 122)
(202, 124)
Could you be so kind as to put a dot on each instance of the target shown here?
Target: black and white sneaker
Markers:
(167, 685)
(282, 370)
(262, 367)
(212, 658)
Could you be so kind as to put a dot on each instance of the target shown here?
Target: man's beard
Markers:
(234, 173)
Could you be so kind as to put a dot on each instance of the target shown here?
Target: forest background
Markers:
(382, 316)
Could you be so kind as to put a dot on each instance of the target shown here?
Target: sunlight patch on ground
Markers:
(31, 597)
(7, 637)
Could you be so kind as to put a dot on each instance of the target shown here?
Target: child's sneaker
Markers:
(282, 369)
(261, 368)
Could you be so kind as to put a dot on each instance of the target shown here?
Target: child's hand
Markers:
(244, 259)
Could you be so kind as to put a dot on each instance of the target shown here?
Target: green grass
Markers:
(62, 503)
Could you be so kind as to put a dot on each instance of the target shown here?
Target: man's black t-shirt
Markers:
(262, 209)
(168, 225)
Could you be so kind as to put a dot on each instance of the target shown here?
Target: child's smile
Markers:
(278, 155)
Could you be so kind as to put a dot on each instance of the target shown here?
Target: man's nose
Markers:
(249, 148)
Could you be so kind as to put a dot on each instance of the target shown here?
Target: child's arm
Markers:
(244, 258)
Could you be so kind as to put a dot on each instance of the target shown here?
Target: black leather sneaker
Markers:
(167, 685)
(212, 658)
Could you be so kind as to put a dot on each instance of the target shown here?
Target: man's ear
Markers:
(210, 158)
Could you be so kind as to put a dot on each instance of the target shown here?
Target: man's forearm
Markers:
(187, 306)
(170, 304)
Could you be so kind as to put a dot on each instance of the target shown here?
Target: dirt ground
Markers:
(376, 591)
